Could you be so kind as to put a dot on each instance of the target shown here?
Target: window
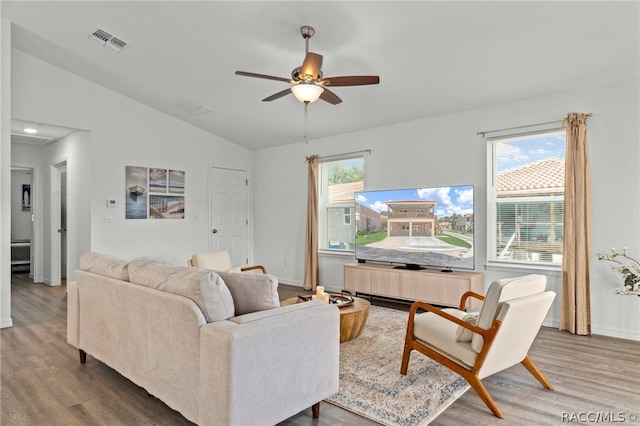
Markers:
(347, 215)
(339, 180)
(525, 199)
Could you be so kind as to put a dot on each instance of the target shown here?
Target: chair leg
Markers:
(533, 369)
(482, 392)
(466, 374)
(405, 359)
(83, 356)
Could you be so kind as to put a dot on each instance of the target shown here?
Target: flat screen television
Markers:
(415, 228)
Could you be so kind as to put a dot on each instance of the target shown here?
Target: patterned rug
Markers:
(371, 384)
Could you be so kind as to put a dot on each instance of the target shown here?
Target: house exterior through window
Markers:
(525, 199)
(339, 180)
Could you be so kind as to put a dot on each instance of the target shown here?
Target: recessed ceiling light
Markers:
(30, 130)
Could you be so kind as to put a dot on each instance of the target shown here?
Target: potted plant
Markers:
(626, 267)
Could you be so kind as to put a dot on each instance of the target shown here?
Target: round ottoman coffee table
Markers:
(352, 317)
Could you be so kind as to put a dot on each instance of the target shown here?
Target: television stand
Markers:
(435, 287)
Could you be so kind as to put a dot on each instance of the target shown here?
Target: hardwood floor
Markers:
(43, 383)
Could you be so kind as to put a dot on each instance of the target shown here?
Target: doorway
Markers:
(229, 222)
(22, 220)
(58, 197)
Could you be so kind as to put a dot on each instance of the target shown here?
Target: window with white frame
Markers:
(338, 181)
(525, 199)
(347, 215)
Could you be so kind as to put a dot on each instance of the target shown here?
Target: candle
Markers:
(321, 295)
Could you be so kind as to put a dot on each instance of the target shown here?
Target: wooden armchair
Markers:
(477, 346)
(220, 261)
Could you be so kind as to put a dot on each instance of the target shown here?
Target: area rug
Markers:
(371, 384)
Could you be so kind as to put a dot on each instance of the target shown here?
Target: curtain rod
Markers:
(486, 132)
(368, 151)
(524, 127)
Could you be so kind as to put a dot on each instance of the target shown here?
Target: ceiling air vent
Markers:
(189, 105)
(106, 39)
(116, 43)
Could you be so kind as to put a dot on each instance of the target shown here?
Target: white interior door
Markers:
(229, 222)
(63, 222)
(55, 226)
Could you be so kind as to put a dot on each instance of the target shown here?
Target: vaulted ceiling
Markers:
(433, 58)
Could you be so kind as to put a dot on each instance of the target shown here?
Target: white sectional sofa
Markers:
(218, 348)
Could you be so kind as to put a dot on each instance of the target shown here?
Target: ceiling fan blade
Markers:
(278, 95)
(312, 65)
(351, 80)
(267, 77)
(330, 97)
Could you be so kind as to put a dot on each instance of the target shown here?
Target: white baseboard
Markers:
(600, 331)
(7, 322)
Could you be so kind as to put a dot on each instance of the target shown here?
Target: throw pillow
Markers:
(464, 334)
(205, 288)
(103, 264)
(252, 292)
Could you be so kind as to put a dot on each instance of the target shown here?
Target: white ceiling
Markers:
(433, 58)
(46, 133)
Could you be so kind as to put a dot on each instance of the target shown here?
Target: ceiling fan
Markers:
(308, 81)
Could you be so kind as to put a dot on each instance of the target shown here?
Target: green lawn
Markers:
(454, 241)
(370, 238)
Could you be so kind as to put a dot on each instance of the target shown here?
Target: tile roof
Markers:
(541, 177)
(394, 202)
(343, 192)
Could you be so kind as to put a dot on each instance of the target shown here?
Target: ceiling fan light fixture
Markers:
(306, 92)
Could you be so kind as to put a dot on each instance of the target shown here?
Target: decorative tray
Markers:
(343, 299)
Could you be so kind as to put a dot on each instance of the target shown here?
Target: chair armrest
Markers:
(287, 354)
(427, 307)
(251, 268)
(465, 296)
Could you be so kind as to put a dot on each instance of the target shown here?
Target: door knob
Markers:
(215, 231)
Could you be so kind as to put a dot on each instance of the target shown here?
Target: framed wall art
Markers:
(26, 197)
(136, 192)
(151, 193)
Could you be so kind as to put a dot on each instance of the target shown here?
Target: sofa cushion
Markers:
(105, 265)
(252, 292)
(205, 288)
(442, 335)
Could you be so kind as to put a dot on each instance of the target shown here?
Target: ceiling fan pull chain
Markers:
(306, 122)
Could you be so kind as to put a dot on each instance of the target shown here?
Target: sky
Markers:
(510, 154)
(451, 199)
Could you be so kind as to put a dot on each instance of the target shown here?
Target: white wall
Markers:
(446, 150)
(74, 150)
(5, 173)
(117, 132)
(124, 132)
(434, 151)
